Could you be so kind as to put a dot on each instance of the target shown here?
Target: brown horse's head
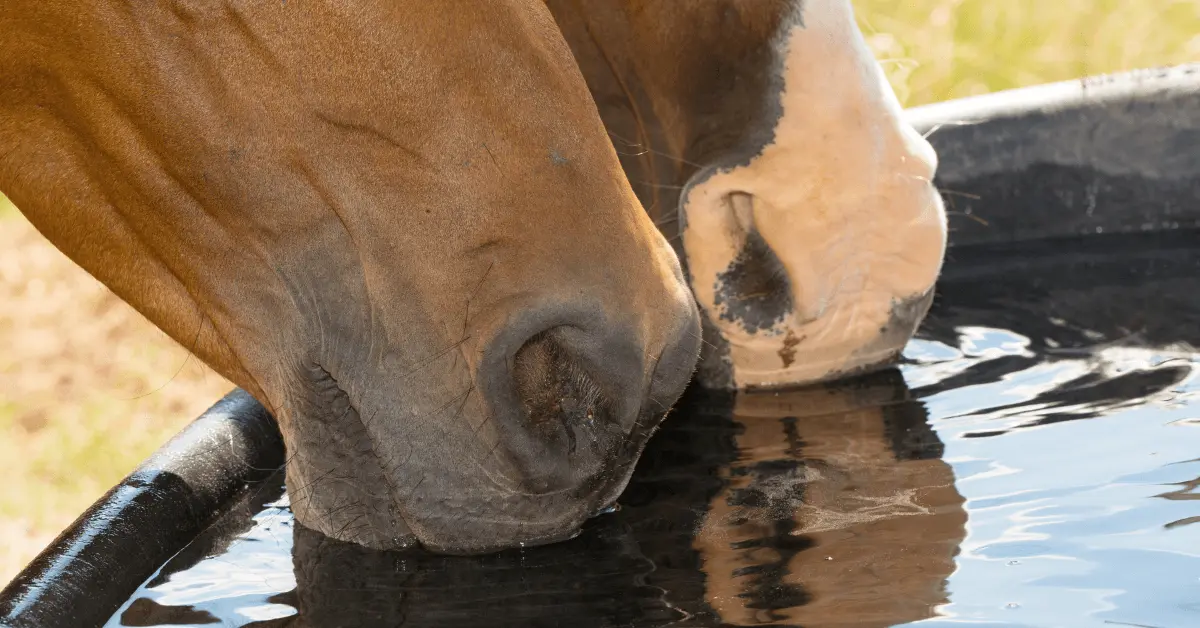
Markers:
(400, 225)
(767, 144)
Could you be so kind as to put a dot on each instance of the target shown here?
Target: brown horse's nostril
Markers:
(563, 399)
(557, 394)
(574, 401)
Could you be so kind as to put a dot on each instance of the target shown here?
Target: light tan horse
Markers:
(764, 139)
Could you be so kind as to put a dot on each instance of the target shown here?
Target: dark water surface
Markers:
(1035, 462)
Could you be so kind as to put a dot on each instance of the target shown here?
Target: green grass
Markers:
(74, 410)
(940, 49)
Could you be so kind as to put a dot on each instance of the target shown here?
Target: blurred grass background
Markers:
(88, 388)
(941, 49)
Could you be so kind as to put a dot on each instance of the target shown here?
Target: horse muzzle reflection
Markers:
(839, 510)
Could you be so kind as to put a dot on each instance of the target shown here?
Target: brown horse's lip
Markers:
(599, 484)
(536, 541)
(607, 490)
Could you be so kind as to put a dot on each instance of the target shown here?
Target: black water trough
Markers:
(1107, 155)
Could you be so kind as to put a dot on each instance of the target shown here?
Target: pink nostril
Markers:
(742, 205)
(754, 289)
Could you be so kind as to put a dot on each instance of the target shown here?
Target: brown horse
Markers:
(403, 226)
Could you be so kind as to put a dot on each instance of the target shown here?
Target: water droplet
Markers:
(610, 509)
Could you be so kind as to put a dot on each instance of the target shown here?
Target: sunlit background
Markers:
(88, 388)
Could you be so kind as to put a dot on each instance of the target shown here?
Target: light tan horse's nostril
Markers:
(742, 205)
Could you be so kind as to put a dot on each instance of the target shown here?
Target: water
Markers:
(1035, 462)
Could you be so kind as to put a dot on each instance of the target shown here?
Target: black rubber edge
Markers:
(84, 576)
(1114, 153)
(1117, 153)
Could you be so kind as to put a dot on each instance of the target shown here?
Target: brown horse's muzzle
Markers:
(511, 420)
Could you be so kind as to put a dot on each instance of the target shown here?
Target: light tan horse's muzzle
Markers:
(817, 257)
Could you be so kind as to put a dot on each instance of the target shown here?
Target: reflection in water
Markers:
(1053, 399)
(773, 512)
(597, 579)
(838, 511)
